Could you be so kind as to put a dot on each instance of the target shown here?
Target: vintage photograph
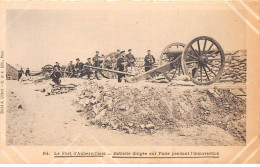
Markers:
(126, 75)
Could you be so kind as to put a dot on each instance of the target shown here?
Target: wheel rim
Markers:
(167, 57)
(203, 60)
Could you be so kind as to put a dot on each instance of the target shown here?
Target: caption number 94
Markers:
(45, 153)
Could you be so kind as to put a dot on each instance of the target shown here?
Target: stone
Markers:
(20, 106)
(130, 124)
(149, 126)
(142, 126)
(100, 115)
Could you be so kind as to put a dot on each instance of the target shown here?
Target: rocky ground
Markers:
(125, 113)
(148, 108)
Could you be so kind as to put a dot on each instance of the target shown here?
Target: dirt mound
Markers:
(148, 109)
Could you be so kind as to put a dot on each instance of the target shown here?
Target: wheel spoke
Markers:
(174, 73)
(193, 57)
(213, 65)
(189, 62)
(198, 42)
(206, 73)
(209, 48)
(200, 73)
(194, 51)
(210, 70)
(215, 59)
(205, 43)
(213, 53)
(182, 70)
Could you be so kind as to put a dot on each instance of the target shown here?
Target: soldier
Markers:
(71, 69)
(57, 65)
(121, 65)
(79, 67)
(88, 70)
(117, 55)
(55, 76)
(96, 63)
(27, 72)
(20, 74)
(149, 61)
(130, 60)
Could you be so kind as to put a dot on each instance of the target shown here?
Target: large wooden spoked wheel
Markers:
(170, 53)
(203, 60)
(109, 62)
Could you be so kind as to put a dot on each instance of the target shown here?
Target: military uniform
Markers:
(27, 72)
(20, 74)
(55, 76)
(79, 66)
(96, 62)
(58, 66)
(71, 69)
(149, 61)
(120, 66)
(88, 71)
(130, 60)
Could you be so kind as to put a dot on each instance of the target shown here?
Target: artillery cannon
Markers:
(202, 59)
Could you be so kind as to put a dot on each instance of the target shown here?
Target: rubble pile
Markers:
(149, 109)
(235, 67)
(60, 89)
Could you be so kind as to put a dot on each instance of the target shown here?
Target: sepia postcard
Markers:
(129, 82)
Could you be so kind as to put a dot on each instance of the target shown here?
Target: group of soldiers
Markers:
(21, 72)
(123, 62)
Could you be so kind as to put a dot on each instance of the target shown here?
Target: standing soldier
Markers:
(20, 74)
(149, 61)
(27, 72)
(130, 60)
(121, 65)
(96, 63)
(79, 67)
(71, 69)
(88, 70)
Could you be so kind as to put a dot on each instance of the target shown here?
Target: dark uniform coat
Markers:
(20, 73)
(27, 72)
(130, 59)
(58, 66)
(96, 61)
(149, 61)
(55, 76)
(79, 65)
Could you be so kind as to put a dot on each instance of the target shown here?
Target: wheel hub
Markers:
(203, 59)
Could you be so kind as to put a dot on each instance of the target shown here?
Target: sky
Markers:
(39, 37)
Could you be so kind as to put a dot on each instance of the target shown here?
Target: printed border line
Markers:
(168, 157)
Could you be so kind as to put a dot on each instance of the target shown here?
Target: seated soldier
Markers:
(79, 68)
(70, 69)
(55, 76)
